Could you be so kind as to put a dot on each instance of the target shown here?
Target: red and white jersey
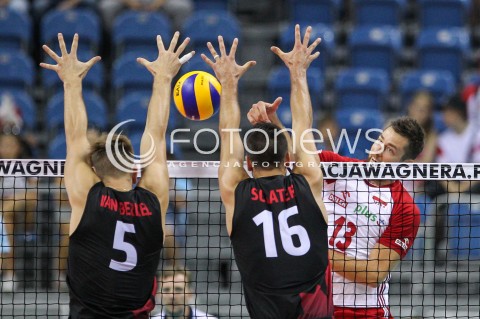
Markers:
(360, 215)
(456, 147)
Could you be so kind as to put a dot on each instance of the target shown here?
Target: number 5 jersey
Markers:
(114, 254)
(279, 238)
(360, 215)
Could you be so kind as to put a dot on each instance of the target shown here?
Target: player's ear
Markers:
(134, 175)
(249, 164)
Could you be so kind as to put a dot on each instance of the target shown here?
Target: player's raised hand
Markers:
(167, 63)
(68, 67)
(301, 55)
(224, 65)
(263, 111)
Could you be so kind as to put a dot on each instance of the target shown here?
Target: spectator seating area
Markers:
(375, 54)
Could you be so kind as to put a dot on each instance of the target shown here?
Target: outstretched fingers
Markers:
(233, 50)
(74, 47)
(221, 45)
(207, 60)
(277, 51)
(276, 103)
(92, 61)
(173, 43)
(314, 56)
(143, 62)
(160, 45)
(50, 53)
(247, 66)
(314, 45)
(297, 34)
(182, 46)
(61, 42)
(212, 50)
(306, 37)
(49, 66)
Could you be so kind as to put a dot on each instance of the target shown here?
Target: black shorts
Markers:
(79, 310)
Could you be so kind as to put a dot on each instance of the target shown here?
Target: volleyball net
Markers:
(439, 277)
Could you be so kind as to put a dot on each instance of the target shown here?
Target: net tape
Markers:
(331, 170)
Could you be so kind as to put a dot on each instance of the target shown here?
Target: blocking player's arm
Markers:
(372, 271)
(298, 60)
(231, 170)
(164, 68)
(267, 112)
(79, 176)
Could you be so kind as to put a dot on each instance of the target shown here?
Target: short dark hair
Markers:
(170, 270)
(413, 132)
(274, 154)
(98, 154)
(456, 102)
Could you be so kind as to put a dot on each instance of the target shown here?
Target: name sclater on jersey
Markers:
(279, 239)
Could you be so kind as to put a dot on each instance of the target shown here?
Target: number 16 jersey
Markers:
(279, 238)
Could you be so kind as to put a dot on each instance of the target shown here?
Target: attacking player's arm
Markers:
(298, 60)
(372, 271)
(79, 176)
(231, 170)
(393, 245)
(267, 112)
(164, 68)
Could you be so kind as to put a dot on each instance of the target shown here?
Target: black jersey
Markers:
(114, 254)
(279, 238)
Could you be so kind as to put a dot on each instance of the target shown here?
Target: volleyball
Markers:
(197, 95)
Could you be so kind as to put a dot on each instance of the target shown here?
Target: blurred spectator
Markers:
(176, 296)
(18, 202)
(460, 143)
(329, 129)
(177, 10)
(40, 7)
(62, 209)
(421, 108)
(4, 243)
(10, 115)
(176, 219)
(20, 6)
